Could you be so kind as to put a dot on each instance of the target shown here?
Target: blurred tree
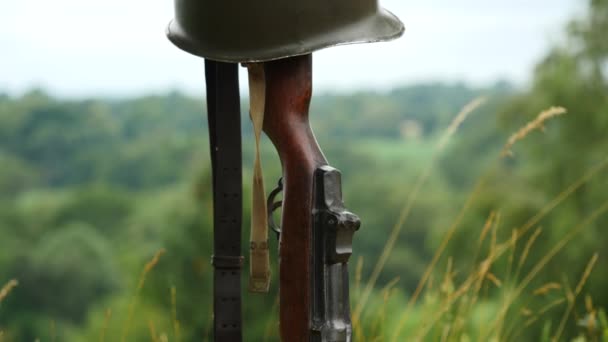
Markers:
(61, 278)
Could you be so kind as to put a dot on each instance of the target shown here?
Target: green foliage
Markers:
(103, 208)
(74, 263)
(15, 175)
(604, 326)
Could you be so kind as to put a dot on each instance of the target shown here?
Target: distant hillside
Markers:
(141, 142)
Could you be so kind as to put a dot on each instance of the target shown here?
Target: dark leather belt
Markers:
(224, 114)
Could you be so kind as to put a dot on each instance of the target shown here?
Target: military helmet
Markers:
(257, 31)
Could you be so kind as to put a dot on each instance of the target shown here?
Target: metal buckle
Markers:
(227, 262)
(272, 206)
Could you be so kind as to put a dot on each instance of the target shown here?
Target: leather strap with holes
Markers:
(224, 115)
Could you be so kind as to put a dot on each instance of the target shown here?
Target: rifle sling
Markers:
(224, 115)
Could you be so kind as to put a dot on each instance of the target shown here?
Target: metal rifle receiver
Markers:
(333, 231)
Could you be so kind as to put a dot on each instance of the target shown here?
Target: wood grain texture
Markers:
(288, 94)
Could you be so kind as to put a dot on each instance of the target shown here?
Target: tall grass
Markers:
(104, 327)
(420, 182)
(152, 329)
(7, 288)
(4, 292)
(176, 326)
(460, 301)
(142, 279)
(572, 296)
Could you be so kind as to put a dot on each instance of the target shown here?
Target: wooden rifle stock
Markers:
(288, 94)
(316, 230)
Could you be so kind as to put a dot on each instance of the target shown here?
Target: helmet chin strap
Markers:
(259, 270)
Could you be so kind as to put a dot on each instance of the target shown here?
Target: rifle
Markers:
(316, 230)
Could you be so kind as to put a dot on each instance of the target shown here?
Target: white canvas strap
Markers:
(259, 272)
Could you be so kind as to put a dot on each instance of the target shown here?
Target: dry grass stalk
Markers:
(466, 306)
(397, 228)
(589, 304)
(359, 333)
(516, 326)
(551, 305)
(176, 329)
(387, 292)
(209, 326)
(491, 277)
(545, 260)
(142, 279)
(586, 274)
(358, 274)
(436, 257)
(6, 289)
(512, 256)
(486, 265)
(149, 266)
(431, 282)
(472, 283)
(577, 292)
(388, 288)
(446, 333)
(527, 249)
(562, 196)
(459, 119)
(539, 315)
(152, 330)
(493, 251)
(104, 328)
(568, 290)
(547, 288)
(526, 312)
(271, 324)
(592, 314)
(487, 226)
(448, 282)
(536, 124)
(443, 308)
(495, 232)
(481, 275)
(53, 333)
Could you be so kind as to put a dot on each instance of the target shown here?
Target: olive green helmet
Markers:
(257, 31)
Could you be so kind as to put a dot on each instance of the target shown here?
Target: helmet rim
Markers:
(378, 27)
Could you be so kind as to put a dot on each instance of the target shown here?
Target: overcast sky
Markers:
(118, 47)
